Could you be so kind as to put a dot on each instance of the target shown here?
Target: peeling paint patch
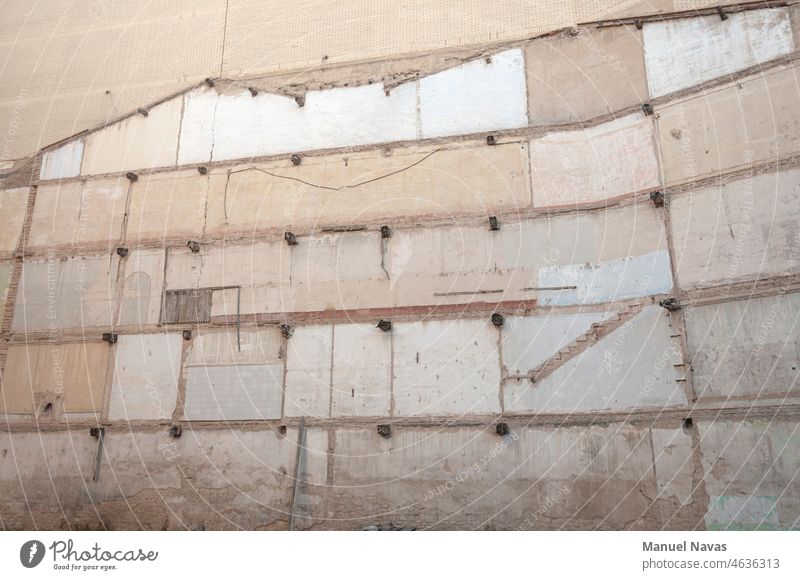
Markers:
(742, 512)
(620, 279)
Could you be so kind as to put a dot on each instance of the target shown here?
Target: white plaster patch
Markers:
(631, 368)
(596, 163)
(234, 392)
(474, 97)
(146, 373)
(83, 294)
(62, 162)
(630, 277)
(308, 372)
(687, 51)
(240, 126)
(226, 347)
(448, 367)
(142, 287)
(745, 348)
(362, 370)
(530, 341)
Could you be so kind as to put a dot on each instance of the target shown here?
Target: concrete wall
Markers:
(135, 143)
(146, 371)
(746, 348)
(683, 53)
(356, 187)
(69, 83)
(12, 215)
(475, 97)
(751, 472)
(235, 376)
(545, 478)
(446, 368)
(598, 163)
(78, 213)
(632, 368)
(740, 230)
(362, 371)
(600, 72)
(5, 279)
(65, 161)
(65, 293)
(71, 377)
(140, 298)
(604, 214)
(433, 265)
(731, 127)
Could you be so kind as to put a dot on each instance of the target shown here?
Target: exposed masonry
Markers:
(589, 372)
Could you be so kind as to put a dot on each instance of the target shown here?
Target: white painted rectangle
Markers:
(308, 372)
(146, 371)
(475, 97)
(685, 52)
(362, 370)
(240, 126)
(247, 346)
(633, 367)
(607, 281)
(739, 230)
(601, 162)
(530, 341)
(62, 162)
(745, 348)
(234, 392)
(82, 295)
(447, 367)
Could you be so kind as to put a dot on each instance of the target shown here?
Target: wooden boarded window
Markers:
(187, 306)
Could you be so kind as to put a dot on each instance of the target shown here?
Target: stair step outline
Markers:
(597, 332)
